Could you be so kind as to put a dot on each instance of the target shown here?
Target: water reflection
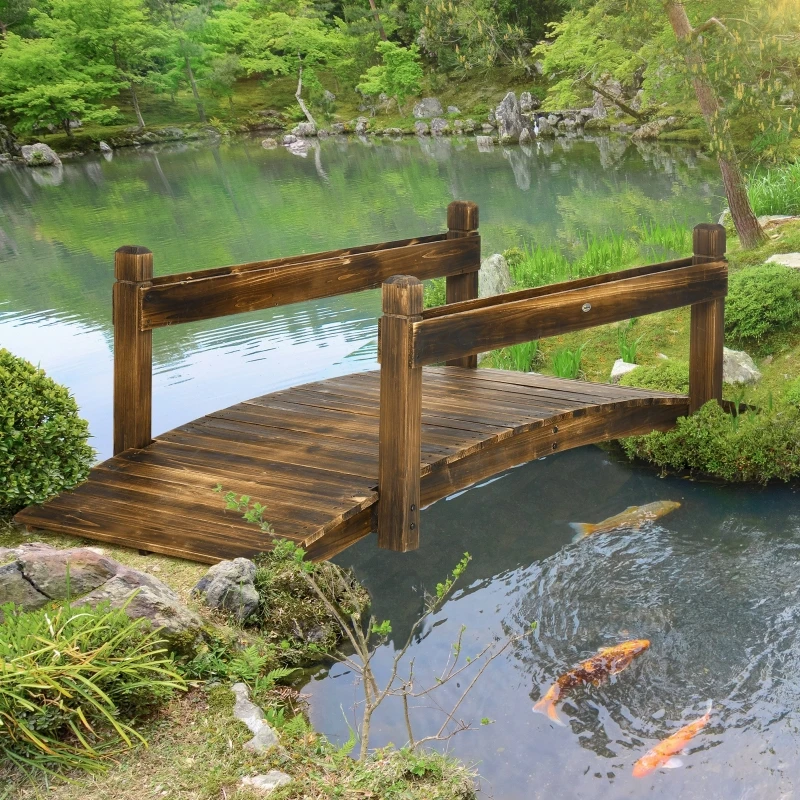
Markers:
(713, 586)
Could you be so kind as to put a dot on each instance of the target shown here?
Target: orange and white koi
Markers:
(608, 661)
(663, 754)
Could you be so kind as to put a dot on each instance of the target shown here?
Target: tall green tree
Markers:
(15, 15)
(42, 83)
(399, 76)
(119, 34)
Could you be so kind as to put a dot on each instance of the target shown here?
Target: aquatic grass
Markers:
(775, 190)
(566, 362)
(606, 253)
(539, 266)
(669, 236)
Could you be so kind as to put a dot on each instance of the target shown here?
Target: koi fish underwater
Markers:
(663, 754)
(608, 661)
(631, 517)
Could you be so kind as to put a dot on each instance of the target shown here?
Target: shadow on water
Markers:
(714, 586)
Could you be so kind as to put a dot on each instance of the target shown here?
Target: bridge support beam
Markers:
(400, 431)
(133, 350)
(707, 325)
(462, 221)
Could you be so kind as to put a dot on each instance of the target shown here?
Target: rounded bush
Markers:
(669, 376)
(43, 441)
(762, 300)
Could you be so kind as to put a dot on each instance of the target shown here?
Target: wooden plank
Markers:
(707, 325)
(133, 350)
(339, 538)
(505, 324)
(300, 258)
(237, 292)
(589, 428)
(551, 288)
(399, 444)
(462, 221)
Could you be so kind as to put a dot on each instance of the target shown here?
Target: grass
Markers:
(567, 362)
(519, 357)
(775, 190)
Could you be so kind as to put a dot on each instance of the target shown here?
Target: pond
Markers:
(713, 585)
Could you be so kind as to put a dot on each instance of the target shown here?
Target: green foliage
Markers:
(792, 393)
(71, 682)
(435, 292)
(43, 441)
(399, 75)
(668, 376)
(567, 363)
(762, 300)
(669, 236)
(754, 447)
(251, 512)
(776, 190)
(519, 357)
(627, 350)
(443, 589)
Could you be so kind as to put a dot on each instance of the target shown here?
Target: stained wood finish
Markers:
(310, 454)
(399, 438)
(237, 291)
(133, 350)
(565, 309)
(707, 327)
(462, 221)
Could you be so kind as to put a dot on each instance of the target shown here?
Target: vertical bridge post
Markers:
(707, 325)
(399, 438)
(133, 350)
(462, 220)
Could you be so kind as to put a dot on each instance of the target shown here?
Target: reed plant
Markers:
(606, 253)
(567, 362)
(518, 357)
(670, 236)
(776, 190)
(72, 680)
(627, 350)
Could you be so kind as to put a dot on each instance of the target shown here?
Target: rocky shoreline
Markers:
(514, 120)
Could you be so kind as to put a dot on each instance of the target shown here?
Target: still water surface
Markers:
(713, 586)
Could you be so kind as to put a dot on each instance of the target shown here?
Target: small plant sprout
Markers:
(627, 350)
(251, 513)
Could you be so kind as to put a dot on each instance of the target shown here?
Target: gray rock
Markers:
(494, 276)
(599, 106)
(509, 119)
(323, 134)
(105, 147)
(361, 126)
(525, 137)
(269, 143)
(487, 128)
(146, 597)
(787, 96)
(623, 127)
(470, 125)
(453, 110)
(8, 142)
(528, 103)
(738, 367)
(66, 574)
(228, 586)
(421, 128)
(15, 589)
(40, 155)
(458, 126)
(538, 66)
(298, 148)
(290, 138)
(264, 737)
(791, 260)
(337, 129)
(266, 784)
(328, 96)
(652, 130)
(485, 143)
(621, 368)
(427, 108)
(439, 126)
(393, 132)
(304, 129)
(544, 128)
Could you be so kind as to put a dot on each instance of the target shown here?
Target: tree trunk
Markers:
(67, 129)
(615, 100)
(747, 226)
(136, 109)
(299, 96)
(377, 19)
(201, 111)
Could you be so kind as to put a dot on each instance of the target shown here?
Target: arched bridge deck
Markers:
(310, 455)
(335, 460)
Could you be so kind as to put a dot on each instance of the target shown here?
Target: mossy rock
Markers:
(683, 135)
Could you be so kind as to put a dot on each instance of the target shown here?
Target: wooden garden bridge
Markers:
(337, 459)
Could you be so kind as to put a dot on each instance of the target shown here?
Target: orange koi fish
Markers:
(663, 754)
(632, 517)
(608, 661)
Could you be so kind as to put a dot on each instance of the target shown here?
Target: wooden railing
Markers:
(142, 302)
(411, 338)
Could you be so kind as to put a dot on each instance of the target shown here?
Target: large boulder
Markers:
(229, 586)
(304, 129)
(421, 128)
(525, 137)
(427, 108)
(528, 103)
(485, 143)
(8, 143)
(543, 128)
(40, 155)
(509, 119)
(791, 260)
(494, 277)
(439, 126)
(49, 575)
(652, 130)
(362, 124)
(738, 367)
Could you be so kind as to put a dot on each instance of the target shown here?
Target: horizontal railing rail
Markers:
(411, 337)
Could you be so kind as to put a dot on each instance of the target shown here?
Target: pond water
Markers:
(714, 585)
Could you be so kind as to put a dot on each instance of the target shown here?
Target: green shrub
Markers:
(753, 447)
(668, 376)
(43, 441)
(71, 682)
(761, 300)
(792, 393)
(435, 292)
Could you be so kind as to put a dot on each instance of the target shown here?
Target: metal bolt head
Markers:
(413, 525)
(586, 307)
